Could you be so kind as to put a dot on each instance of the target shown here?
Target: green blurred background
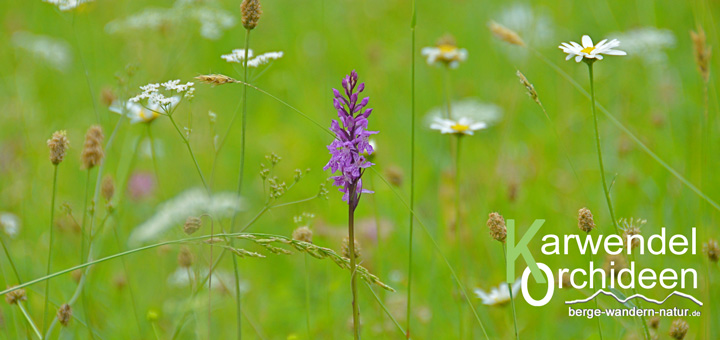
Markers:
(517, 167)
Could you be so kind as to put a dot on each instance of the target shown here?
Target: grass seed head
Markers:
(303, 234)
(107, 188)
(192, 224)
(345, 249)
(215, 79)
(654, 322)
(712, 250)
(64, 314)
(505, 34)
(58, 145)
(679, 329)
(586, 222)
(92, 153)
(15, 296)
(496, 224)
(185, 257)
(702, 53)
(251, 11)
(529, 87)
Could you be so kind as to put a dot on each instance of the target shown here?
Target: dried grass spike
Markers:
(505, 34)
(58, 145)
(92, 153)
(251, 11)
(215, 79)
(586, 222)
(702, 53)
(64, 314)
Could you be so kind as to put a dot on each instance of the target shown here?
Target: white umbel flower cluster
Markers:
(54, 52)
(153, 95)
(213, 21)
(238, 56)
(66, 5)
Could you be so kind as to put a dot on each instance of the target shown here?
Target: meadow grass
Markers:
(655, 122)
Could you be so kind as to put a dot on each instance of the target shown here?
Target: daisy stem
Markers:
(412, 167)
(353, 266)
(457, 184)
(599, 150)
(512, 299)
(597, 306)
(29, 319)
(50, 250)
(447, 93)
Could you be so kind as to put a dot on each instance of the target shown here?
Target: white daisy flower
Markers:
(590, 51)
(462, 126)
(500, 295)
(56, 53)
(467, 116)
(445, 51)
(66, 5)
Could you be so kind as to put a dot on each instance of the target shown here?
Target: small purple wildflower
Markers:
(351, 141)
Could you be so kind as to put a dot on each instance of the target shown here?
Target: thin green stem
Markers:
(512, 299)
(50, 246)
(597, 306)
(448, 113)
(412, 169)
(599, 150)
(642, 317)
(307, 295)
(241, 173)
(12, 263)
(127, 277)
(387, 312)
(192, 154)
(153, 155)
(457, 185)
(353, 261)
(29, 320)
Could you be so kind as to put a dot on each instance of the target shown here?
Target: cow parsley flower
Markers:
(446, 52)
(238, 56)
(590, 51)
(163, 100)
(54, 52)
(66, 5)
(351, 139)
(498, 296)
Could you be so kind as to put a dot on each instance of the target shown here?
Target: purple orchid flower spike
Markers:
(351, 139)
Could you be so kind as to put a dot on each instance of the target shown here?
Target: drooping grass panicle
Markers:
(215, 79)
(528, 87)
(505, 34)
(92, 153)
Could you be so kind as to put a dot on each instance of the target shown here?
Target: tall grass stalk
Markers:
(458, 140)
(597, 306)
(307, 295)
(512, 298)
(50, 248)
(29, 319)
(589, 62)
(413, 22)
(153, 155)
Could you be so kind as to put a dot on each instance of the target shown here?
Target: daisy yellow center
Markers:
(460, 127)
(588, 49)
(447, 48)
(147, 116)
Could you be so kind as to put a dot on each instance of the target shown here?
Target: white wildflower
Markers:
(499, 295)
(56, 53)
(264, 59)
(467, 116)
(535, 27)
(9, 224)
(237, 55)
(590, 51)
(647, 43)
(66, 5)
(193, 202)
(448, 54)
